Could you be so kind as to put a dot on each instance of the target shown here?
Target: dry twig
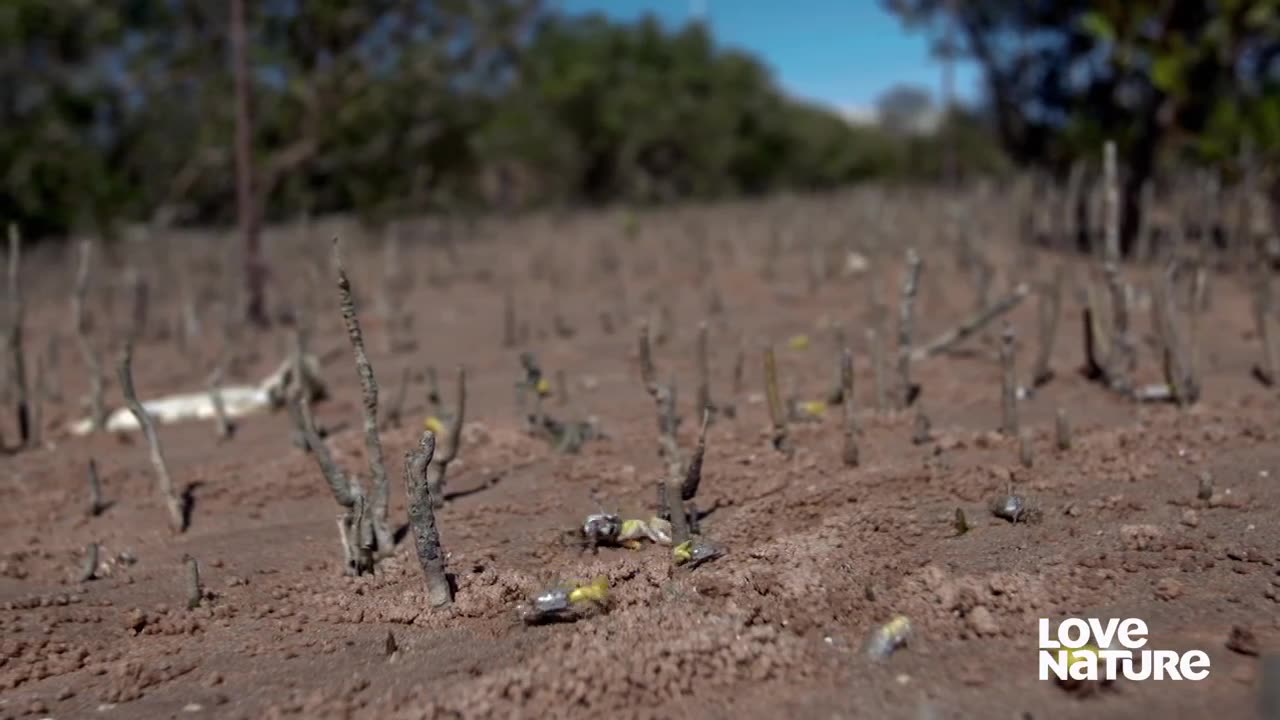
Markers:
(971, 326)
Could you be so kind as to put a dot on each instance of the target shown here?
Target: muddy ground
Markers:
(818, 554)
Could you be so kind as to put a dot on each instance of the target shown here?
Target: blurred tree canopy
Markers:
(1171, 81)
(122, 111)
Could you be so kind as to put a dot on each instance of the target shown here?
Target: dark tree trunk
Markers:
(255, 270)
(1141, 165)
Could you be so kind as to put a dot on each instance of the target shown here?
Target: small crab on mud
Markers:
(692, 553)
(610, 530)
(565, 603)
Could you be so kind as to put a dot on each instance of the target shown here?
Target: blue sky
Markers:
(843, 53)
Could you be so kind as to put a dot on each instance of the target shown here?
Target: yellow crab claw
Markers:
(659, 531)
(1081, 654)
(543, 387)
(631, 529)
(814, 408)
(595, 591)
(433, 424)
(683, 552)
(798, 342)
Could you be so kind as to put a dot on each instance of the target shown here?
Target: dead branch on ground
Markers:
(971, 326)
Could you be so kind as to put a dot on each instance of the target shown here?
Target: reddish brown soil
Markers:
(819, 554)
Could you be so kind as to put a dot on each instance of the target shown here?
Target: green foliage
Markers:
(1167, 80)
(123, 111)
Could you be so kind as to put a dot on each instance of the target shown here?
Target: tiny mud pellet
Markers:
(888, 638)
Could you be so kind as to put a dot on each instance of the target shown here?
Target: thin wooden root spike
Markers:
(702, 360)
(422, 520)
(777, 413)
(508, 319)
(877, 369)
(347, 493)
(921, 427)
(664, 400)
(195, 590)
(225, 427)
(177, 519)
(1050, 310)
(97, 505)
(395, 414)
(906, 321)
(438, 469)
(93, 364)
(1179, 371)
(1062, 430)
(369, 394)
(1009, 383)
(849, 454)
(1266, 372)
(13, 338)
(648, 374)
(1119, 363)
(90, 568)
(693, 475)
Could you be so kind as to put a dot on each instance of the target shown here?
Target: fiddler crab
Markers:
(611, 530)
(889, 637)
(565, 603)
(692, 553)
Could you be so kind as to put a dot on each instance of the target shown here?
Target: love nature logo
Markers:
(1093, 649)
